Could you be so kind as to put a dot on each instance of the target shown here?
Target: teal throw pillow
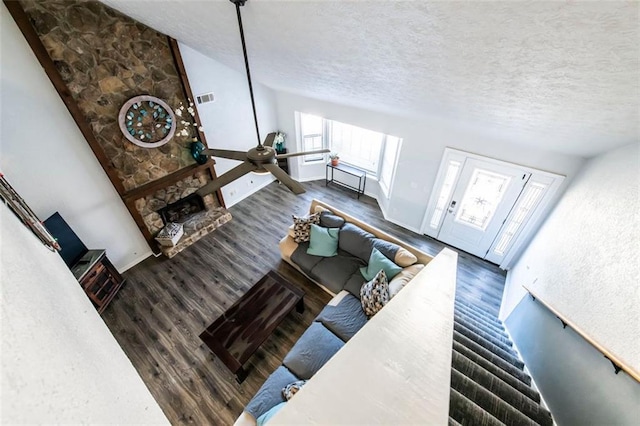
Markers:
(378, 261)
(263, 419)
(323, 241)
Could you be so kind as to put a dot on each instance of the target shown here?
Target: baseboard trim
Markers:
(253, 191)
(133, 263)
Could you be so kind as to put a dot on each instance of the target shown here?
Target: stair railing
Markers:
(618, 365)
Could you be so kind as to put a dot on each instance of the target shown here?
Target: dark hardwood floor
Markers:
(166, 303)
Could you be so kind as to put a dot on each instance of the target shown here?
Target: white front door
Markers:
(481, 202)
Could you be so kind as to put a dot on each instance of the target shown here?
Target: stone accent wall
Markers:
(105, 58)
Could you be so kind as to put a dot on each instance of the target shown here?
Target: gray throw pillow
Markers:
(330, 220)
(356, 241)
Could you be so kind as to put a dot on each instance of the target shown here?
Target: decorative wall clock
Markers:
(147, 121)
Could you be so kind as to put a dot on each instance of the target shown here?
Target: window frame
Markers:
(327, 127)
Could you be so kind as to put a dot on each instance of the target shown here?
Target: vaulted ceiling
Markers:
(559, 75)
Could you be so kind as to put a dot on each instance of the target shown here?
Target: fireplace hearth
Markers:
(182, 210)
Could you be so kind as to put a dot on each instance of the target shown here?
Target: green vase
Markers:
(196, 152)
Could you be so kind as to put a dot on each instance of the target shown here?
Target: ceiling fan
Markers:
(261, 159)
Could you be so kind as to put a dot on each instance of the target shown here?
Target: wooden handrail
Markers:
(617, 363)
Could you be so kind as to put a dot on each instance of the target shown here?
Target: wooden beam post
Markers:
(182, 73)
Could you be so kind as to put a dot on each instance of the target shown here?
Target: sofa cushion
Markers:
(323, 241)
(354, 284)
(302, 226)
(356, 241)
(305, 261)
(270, 393)
(400, 280)
(312, 350)
(330, 220)
(360, 243)
(377, 262)
(345, 319)
(334, 272)
(375, 294)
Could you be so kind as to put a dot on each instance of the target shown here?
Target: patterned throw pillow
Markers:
(302, 227)
(374, 294)
(292, 388)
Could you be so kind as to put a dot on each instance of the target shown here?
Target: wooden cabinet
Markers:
(98, 277)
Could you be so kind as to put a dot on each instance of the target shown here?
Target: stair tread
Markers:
(497, 371)
(499, 388)
(484, 336)
(488, 383)
(488, 401)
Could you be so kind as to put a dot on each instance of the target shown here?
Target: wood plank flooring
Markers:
(166, 303)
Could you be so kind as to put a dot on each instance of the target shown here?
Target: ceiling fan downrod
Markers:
(239, 3)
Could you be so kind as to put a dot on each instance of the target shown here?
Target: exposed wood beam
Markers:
(182, 72)
(29, 33)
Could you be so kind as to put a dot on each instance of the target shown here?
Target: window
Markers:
(372, 151)
(312, 131)
(445, 193)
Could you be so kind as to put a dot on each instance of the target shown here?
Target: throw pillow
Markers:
(330, 220)
(404, 258)
(302, 225)
(292, 388)
(374, 294)
(378, 261)
(263, 419)
(400, 280)
(323, 241)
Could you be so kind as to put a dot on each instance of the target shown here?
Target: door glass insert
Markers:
(445, 193)
(482, 197)
(530, 198)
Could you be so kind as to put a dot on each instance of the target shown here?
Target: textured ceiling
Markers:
(558, 75)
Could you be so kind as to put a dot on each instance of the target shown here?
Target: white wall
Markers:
(60, 362)
(47, 160)
(584, 260)
(424, 142)
(228, 121)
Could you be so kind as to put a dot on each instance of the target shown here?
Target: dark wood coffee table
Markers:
(238, 333)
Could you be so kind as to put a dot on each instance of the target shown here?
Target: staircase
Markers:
(488, 384)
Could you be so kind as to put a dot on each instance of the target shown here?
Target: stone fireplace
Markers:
(179, 203)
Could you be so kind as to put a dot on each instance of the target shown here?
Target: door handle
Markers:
(452, 207)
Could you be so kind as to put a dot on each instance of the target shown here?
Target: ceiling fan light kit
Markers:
(259, 160)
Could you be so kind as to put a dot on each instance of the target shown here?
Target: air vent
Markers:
(203, 99)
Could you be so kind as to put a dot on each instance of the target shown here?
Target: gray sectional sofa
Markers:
(343, 316)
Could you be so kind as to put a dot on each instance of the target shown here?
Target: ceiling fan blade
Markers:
(283, 177)
(268, 141)
(296, 154)
(225, 153)
(226, 178)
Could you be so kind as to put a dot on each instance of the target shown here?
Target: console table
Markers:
(350, 170)
(98, 277)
